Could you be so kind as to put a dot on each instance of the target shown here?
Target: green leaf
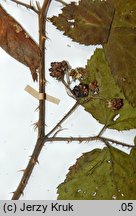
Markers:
(120, 49)
(133, 156)
(125, 13)
(98, 69)
(135, 141)
(86, 23)
(120, 52)
(101, 175)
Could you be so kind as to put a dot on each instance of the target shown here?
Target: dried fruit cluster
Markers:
(81, 90)
(115, 103)
(78, 74)
(58, 71)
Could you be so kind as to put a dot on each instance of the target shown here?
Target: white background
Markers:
(17, 114)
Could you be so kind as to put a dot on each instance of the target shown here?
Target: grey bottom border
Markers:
(68, 208)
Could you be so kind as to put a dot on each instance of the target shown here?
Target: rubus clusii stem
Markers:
(28, 6)
(42, 15)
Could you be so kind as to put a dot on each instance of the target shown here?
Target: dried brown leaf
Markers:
(87, 23)
(18, 43)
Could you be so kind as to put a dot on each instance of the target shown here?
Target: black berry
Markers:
(81, 90)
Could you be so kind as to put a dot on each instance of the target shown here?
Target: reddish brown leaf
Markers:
(87, 22)
(17, 43)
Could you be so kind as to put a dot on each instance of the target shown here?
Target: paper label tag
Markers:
(41, 96)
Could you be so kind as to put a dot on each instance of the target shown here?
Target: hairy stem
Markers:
(28, 6)
(63, 119)
(71, 139)
(41, 123)
(28, 171)
(86, 139)
(115, 142)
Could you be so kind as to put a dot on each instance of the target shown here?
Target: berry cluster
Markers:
(78, 73)
(115, 104)
(81, 90)
(58, 69)
(93, 87)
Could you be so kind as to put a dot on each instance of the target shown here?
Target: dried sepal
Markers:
(94, 87)
(78, 73)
